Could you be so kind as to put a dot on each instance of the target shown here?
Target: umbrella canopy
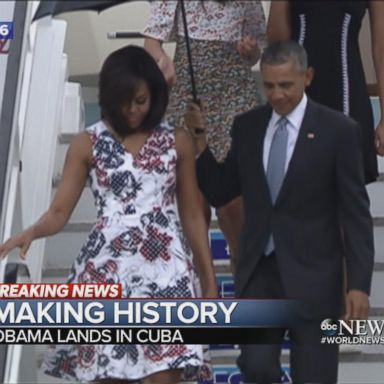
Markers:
(57, 7)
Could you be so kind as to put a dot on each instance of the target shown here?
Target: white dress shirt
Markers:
(295, 118)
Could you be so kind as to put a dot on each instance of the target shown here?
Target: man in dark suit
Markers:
(298, 166)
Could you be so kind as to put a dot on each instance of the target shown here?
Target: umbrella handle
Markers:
(198, 130)
(189, 55)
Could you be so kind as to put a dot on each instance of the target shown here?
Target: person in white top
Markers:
(225, 38)
(142, 177)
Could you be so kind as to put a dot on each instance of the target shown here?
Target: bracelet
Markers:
(195, 131)
(200, 131)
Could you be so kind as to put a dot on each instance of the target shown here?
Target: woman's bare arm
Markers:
(279, 23)
(67, 195)
(376, 13)
(165, 63)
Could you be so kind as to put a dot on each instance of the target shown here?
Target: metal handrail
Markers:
(8, 115)
(125, 35)
(11, 275)
(10, 272)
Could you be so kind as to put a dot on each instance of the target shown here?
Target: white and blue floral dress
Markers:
(137, 241)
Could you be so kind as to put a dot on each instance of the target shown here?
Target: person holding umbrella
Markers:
(225, 39)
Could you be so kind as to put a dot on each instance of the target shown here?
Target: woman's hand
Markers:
(22, 240)
(248, 48)
(379, 138)
(164, 62)
(167, 66)
(66, 197)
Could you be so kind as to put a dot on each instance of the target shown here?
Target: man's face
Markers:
(284, 85)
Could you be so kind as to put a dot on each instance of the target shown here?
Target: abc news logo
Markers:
(331, 327)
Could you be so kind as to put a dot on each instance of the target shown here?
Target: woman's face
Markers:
(135, 111)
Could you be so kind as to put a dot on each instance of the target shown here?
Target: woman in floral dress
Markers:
(137, 167)
(225, 38)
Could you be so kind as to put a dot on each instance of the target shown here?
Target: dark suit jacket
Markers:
(323, 191)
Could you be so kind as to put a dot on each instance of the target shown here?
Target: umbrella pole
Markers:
(189, 55)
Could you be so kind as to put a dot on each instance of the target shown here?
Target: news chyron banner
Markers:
(97, 314)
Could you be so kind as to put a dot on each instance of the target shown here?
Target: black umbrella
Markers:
(57, 7)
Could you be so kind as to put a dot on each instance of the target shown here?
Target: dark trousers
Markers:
(310, 361)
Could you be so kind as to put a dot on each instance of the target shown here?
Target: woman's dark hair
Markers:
(119, 78)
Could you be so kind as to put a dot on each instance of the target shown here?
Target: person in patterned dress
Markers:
(138, 167)
(335, 55)
(225, 39)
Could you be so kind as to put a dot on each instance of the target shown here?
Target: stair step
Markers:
(222, 269)
(378, 221)
(87, 226)
(65, 138)
(350, 371)
(380, 163)
(56, 180)
(376, 312)
(229, 356)
(82, 228)
(376, 193)
(78, 227)
(59, 275)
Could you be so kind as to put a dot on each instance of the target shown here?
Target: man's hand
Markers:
(167, 66)
(194, 119)
(356, 305)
